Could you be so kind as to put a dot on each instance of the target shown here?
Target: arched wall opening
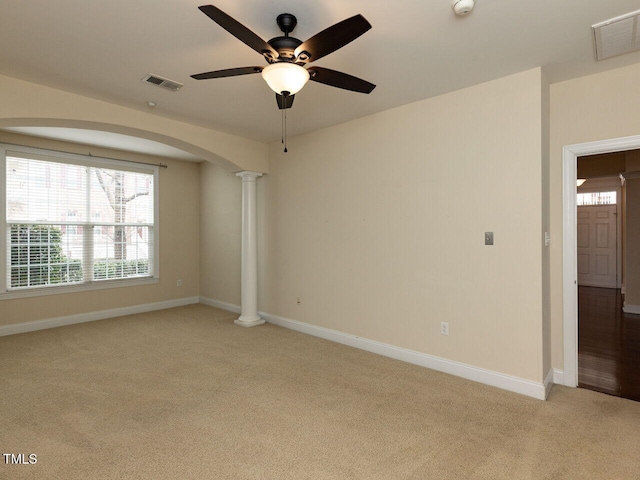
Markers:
(176, 143)
(27, 104)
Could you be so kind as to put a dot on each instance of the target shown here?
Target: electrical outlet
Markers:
(179, 283)
(444, 328)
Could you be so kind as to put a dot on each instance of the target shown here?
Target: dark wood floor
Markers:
(608, 344)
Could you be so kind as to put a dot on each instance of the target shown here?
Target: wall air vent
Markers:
(617, 36)
(162, 82)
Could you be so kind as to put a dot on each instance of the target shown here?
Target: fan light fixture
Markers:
(285, 77)
(287, 55)
(580, 181)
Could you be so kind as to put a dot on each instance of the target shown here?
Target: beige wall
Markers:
(179, 245)
(221, 226)
(546, 228)
(377, 225)
(596, 107)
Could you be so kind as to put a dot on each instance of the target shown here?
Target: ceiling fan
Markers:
(287, 55)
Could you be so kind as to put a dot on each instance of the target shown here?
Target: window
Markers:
(597, 198)
(71, 220)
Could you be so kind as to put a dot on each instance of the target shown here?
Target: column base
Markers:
(251, 321)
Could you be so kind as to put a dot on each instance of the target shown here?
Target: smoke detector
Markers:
(462, 7)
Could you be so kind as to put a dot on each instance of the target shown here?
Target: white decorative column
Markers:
(249, 293)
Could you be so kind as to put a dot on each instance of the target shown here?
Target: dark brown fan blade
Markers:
(331, 39)
(340, 80)
(284, 102)
(229, 72)
(239, 31)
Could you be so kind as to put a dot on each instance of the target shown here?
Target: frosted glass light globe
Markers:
(285, 77)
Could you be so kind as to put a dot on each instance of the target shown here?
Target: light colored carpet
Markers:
(186, 394)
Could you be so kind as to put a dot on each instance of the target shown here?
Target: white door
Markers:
(597, 246)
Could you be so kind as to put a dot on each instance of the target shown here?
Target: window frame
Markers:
(76, 159)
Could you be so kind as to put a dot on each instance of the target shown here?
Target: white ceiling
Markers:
(416, 49)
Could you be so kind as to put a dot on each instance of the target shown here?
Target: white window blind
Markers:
(72, 221)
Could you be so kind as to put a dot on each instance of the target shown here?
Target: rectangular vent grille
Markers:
(162, 82)
(617, 36)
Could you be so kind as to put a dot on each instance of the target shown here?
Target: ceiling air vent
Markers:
(617, 36)
(162, 82)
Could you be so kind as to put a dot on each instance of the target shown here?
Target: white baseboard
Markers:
(93, 316)
(631, 309)
(548, 383)
(558, 376)
(487, 377)
(230, 307)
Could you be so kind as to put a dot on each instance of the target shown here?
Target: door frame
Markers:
(570, 154)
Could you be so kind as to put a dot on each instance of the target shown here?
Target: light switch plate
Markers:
(488, 238)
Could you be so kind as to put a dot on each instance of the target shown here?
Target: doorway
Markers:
(600, 337)
(569, 246)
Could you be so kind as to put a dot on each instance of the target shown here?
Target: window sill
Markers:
(64, 289)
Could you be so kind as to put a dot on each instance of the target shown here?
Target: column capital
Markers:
(248, 175)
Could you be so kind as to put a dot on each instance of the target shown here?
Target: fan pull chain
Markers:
(284, 120)
(285, 131)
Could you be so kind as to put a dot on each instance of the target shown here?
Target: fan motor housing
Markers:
(285, 46)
